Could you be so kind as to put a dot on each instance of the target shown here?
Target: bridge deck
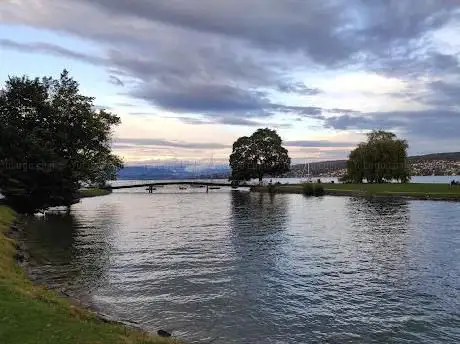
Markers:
(169, 183)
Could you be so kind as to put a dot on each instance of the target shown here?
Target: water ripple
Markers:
(254, 268)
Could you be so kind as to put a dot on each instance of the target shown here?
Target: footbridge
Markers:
(159, 183)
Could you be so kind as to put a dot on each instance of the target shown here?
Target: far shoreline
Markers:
(410, 191)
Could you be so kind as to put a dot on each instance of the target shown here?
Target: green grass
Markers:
(93, 192)
(35, 315)
(441, 191)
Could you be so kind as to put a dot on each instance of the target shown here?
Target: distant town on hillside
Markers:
(439, 164)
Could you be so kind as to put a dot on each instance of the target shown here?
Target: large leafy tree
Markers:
(258, 155)
(382, 158)
(51, 140)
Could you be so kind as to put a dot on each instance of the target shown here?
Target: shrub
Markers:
(313, 189)
(318, 190)
(308, 189)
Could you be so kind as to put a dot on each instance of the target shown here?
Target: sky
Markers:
(188, 77)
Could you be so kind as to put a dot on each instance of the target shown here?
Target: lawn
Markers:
(34, 315)
(391, 188)
(93, 192)
(444, 191)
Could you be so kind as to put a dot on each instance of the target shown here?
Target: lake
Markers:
(241, 267)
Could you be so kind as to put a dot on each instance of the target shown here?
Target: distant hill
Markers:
(429, 164)
(171, 172)
(454, 156)
(317, 168)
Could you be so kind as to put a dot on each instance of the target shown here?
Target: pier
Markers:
(151, 186)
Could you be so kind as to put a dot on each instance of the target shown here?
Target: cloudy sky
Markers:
(188, 77)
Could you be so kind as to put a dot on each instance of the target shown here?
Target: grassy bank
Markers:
(415, 191)
(93, 192)
(34, 315)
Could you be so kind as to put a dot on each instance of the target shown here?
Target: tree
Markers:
(51, 140)
(258, 155)
(382, 158)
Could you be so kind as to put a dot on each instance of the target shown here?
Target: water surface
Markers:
(240, 267)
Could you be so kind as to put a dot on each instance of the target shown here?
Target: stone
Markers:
(163, 333)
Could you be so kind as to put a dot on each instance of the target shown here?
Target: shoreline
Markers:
(93, 192)
(23, 251)
(369, 191)
(22, 296)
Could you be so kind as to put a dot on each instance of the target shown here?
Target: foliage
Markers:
(93, 192)
(310, 189)
(319, 190)
(258, 155)
(382, 158)
(51, 140)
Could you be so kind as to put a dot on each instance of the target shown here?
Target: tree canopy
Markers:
(382, 158)
(258, 155)
(51, 140)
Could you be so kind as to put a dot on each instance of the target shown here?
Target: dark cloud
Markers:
(439, 95)
(343, 111)
(427, 124)
(224, 59)
(318, 143)
(129, 142)
(414, 62)
(180, 96)
(443, 94)
(288, 25)
(114, 80)
(307, 111)
(299, 88)
(230, 120)
(51, 49)
(327, 31)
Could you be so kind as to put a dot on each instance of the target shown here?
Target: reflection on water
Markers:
(239, 267)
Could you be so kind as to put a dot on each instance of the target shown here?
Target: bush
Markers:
(308, 189)
(313, 189)
(318, 190)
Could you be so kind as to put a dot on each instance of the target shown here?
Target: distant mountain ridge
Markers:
(171, 172)
(428, 164)
(437, 163)
(453, 156)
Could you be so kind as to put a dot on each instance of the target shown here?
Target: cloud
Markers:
(230, 120)
(443, 94)
(102, 107)
(114, 80)
(129, 142)
(425, 124)
(124, 104)
(342, 111)
(299, 88)
(307, 111)
(216, 62)
(180, 96)
(318, 143)
(51, 49)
